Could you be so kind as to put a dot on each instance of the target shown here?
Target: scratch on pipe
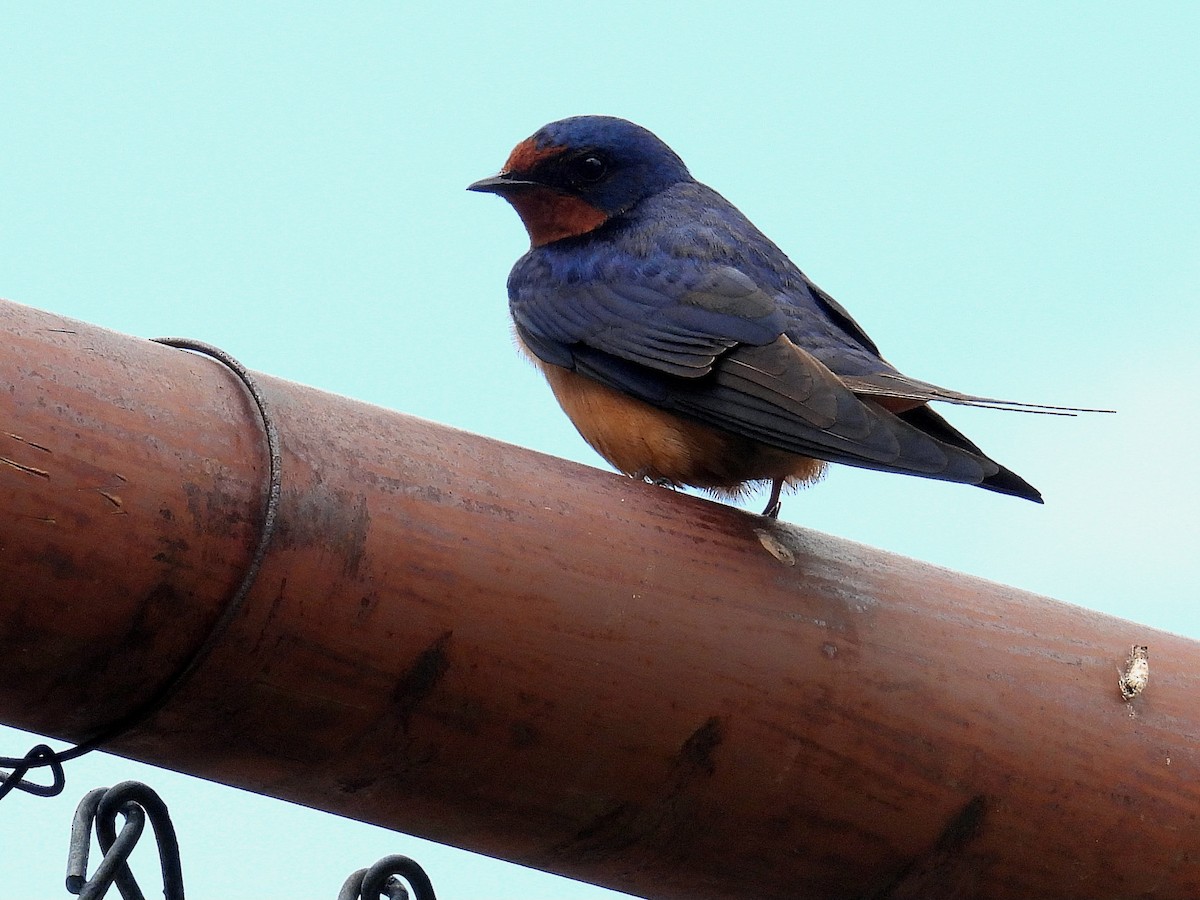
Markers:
(41, 473)
(1136, 674)
(17, 437)
(113, 499)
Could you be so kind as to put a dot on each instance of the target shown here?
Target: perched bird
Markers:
(686, 348)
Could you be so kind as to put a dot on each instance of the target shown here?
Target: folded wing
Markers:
(717, 353)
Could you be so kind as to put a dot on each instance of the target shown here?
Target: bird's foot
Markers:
(774, 504)
(648, 476)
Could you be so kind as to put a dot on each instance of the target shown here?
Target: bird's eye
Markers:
(590, 168)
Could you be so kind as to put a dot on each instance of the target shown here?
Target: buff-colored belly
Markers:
(642, 440)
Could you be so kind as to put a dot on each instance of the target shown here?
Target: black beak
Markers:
(498, 184)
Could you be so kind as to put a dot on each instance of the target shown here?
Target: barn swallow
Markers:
(686, 348)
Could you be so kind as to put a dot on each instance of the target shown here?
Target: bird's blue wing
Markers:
(672, 328)
(720, 350)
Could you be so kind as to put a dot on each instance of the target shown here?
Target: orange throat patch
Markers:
(550, 215)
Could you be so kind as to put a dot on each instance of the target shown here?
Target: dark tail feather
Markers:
(1007, 482)
(1003, 482)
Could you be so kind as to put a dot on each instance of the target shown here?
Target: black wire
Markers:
(41, 755)
(380, 881)
(377, 881)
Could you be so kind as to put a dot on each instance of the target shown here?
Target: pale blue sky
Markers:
(1004, 195)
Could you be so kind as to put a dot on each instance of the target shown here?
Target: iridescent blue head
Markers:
(575, 174)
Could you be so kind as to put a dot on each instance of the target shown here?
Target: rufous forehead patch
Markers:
(527, 154)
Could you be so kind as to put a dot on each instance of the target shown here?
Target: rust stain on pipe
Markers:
(543, 662)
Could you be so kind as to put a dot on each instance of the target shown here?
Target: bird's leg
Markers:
(773, 505)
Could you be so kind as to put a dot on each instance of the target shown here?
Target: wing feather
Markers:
(719, 352)
(895, 386)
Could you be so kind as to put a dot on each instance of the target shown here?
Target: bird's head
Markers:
(573, 175)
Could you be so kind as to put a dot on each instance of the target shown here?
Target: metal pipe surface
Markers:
(536, 660)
